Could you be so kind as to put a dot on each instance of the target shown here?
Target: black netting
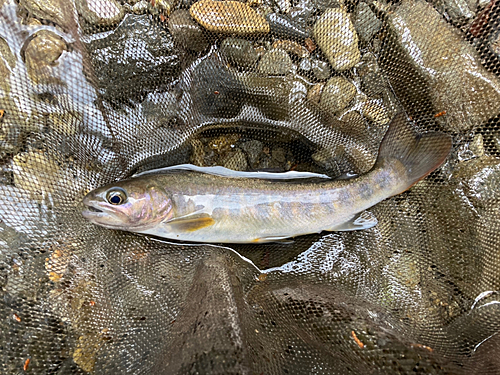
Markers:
(94, 91)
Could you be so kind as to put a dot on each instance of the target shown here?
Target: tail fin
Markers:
(420, 154)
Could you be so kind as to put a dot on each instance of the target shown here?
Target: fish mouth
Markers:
(93, 209)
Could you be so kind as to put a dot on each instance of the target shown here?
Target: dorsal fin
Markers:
(225, 172)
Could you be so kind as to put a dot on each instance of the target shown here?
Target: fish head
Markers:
(133, 205)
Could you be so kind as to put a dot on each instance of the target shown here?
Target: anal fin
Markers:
(364, 220)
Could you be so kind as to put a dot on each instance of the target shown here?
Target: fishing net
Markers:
(93, 91)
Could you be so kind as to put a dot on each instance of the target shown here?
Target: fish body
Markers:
(198, 205)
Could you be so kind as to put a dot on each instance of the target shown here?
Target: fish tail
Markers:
(419, 154)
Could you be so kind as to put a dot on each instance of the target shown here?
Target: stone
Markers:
(50, 10)
(7, 64)
(314, 93)
(228, 17)
(335, 35)
(460, 11)
(239, 52)
(283, 26)
(152, 60)
(186, 32)
(321, 70)
(141, 7)
(337, 94)
(41, 54)
(291, 46)
(275, 62)
(253, 150)
(236, 161)
(446, 75)
(375, 112)
(100, 12)
(365, 22)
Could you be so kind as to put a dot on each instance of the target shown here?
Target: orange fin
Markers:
(191, 223)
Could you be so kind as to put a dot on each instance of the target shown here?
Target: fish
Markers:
(217, 205)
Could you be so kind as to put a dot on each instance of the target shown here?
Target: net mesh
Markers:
(93, 91)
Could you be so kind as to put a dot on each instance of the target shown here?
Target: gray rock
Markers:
(141, 7)
(186, 31)
(302, 11)
(275, 62)
(337, 94)
(278, 154)
(100, 12)
(152, 60)
(335, 35)
(239, 52)
(445, 75)
(372, 79)
(51, 10)
(7, 64)
(283, 5)
(460, 11)
(365, 22)
(283, 26)
(321, 70)
(305, 64)
(253, 149)
(236, 161)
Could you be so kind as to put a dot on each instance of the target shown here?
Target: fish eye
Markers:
(116, 196)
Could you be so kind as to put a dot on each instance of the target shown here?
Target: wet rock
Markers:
(314, 93)
(479, 178)
(7, 63)
(305, 65)
(302, 12)
(375, 112)
(228, 17)
(275, 62)
(152, 60)
(141, 7)
(279, 154)
(197, 153)
(186, 32)
(41, 54)
(51, 10)
(239, 52)
(335, 35)
(460, 11)
(37, 172)
(372, 80)
(67, 123)
(477, 146)
(321, 70)
(162, 7)
(100, 12)
(283, 26)
(283, 5)
(446, 74)
(236, 161)
(365, 22)
(337, 94)
(253, 150)
(291, 47)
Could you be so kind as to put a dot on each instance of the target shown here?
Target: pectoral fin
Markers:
(364, 220)
(191, 223)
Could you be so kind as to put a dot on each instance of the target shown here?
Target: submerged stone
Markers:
(239, 52)
(186, 32)
(335, 35)
(228, 17)
(445, 74)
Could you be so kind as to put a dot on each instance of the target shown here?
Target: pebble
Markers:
(314, 93)
(375, 112)
(37, 172)
(100, 12)
(236, 161)
(460, 11)
(302, 11)
(291, 46)
(186, 32)
(275, 62)
(41, 54)
(372, 79)
(335, 35)
(321, 70)
(337, 94)
(67, 123)
(283, 26)
(365, 22)
(278, 154)
(162, 7)
(140, 7)
(50, 10)
(7, 63)
(305, 65)
(283, 5)
(228, 17)
(477, 146)
(239, 52)
(253, 149)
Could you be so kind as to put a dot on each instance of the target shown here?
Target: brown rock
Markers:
(228, 17)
